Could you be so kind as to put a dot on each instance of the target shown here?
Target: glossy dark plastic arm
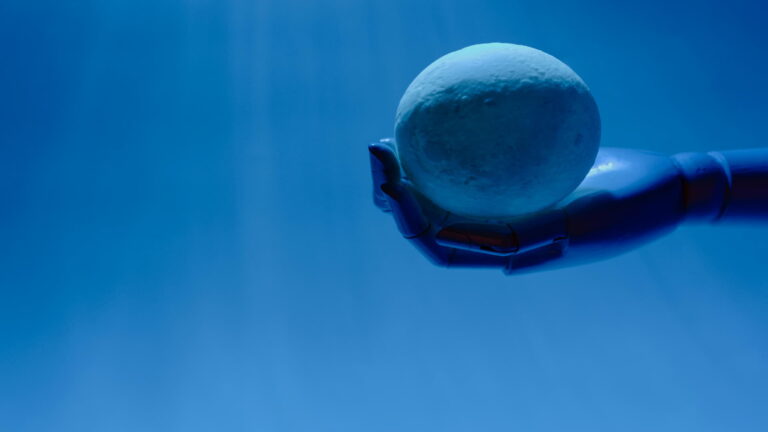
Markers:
(629, 198)
(729, 186)
(748, 198)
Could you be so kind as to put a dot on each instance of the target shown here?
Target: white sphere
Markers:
(497, 130)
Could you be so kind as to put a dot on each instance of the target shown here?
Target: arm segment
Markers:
(725, 186)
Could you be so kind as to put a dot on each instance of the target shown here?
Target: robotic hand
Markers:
(628, 198)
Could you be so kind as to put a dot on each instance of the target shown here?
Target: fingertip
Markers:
(384, 163)
(382, 151)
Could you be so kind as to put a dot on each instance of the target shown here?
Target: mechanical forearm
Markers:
(726, 186)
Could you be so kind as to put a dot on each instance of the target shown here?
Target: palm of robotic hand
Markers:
(629, 198)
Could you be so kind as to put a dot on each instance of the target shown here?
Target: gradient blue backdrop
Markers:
(188, 242)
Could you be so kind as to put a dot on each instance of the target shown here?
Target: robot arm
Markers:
(725, 186)
(629, 198)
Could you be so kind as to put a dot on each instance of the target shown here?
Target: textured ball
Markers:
(496, 130)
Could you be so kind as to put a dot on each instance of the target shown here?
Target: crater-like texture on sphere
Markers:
(497, 130)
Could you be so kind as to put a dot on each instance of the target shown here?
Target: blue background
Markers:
(188, 241)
